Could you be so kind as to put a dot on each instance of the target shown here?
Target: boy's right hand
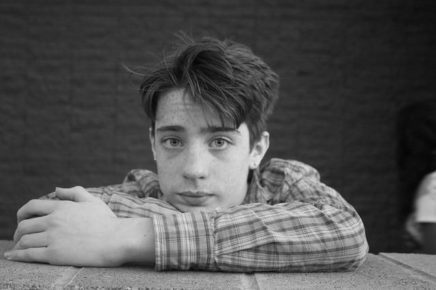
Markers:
(78, 230)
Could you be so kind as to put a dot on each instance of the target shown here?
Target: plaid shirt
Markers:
(289, 221)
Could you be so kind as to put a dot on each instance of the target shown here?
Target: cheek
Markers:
(167, 174)
(234, 187)
(235, 173)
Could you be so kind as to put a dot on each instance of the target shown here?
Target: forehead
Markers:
(176, 107)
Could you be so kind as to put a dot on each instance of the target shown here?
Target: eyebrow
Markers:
(173, 128)
(217, 129)
(209, 129)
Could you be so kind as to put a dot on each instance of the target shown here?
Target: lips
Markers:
(195, 194)
(195, 198)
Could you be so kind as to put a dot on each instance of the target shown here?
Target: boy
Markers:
(210, 207)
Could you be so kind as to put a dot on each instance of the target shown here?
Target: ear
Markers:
(259, 149)
(152, 141)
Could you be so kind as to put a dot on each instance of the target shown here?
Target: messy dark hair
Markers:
(222, 76)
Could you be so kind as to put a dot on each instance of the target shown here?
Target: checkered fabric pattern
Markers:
(289, 221)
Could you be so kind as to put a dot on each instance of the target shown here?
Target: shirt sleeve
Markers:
(310, 228)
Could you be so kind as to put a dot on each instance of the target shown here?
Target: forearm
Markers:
(293, 238)
(257, 237)
(309, 240)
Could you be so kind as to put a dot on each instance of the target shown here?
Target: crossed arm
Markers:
(312, 231)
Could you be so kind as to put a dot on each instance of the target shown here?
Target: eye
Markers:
(172, 143)
(219, 143)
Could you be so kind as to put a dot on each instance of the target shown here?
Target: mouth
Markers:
(195, 193)
(195, 198)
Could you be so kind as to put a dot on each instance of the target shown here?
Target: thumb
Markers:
(77, 193)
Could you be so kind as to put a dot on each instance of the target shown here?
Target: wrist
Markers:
(138, 241)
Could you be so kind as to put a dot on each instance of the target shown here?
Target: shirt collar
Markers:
(256, 193)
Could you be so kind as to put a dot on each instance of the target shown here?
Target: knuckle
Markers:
(54, 219)
(22, 211)
(21, 228)
(25, 255)
(19, 213)
(31, 203)
(78, 188)
(65, 205)
(23, 224)
(19, 231)
(54, 256)
(50, 220)
(24, 242)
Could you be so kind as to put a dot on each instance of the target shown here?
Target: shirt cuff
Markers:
(184, 241)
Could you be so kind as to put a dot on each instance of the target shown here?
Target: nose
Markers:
(196, 163)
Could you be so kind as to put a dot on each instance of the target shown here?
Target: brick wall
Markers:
(69, 112)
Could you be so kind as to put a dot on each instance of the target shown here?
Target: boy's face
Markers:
(200, 163)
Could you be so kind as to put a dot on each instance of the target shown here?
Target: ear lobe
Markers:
(152, 142)
(259, 150)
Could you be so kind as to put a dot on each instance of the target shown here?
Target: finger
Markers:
(28, 255)
(30, 226)
(35, 208)
(76, 193)
(37, 240)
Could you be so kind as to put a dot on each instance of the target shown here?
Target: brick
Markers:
(419, 262)
(383, 275)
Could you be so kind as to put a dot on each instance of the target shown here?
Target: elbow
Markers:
(358, 250)
(360, 256)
